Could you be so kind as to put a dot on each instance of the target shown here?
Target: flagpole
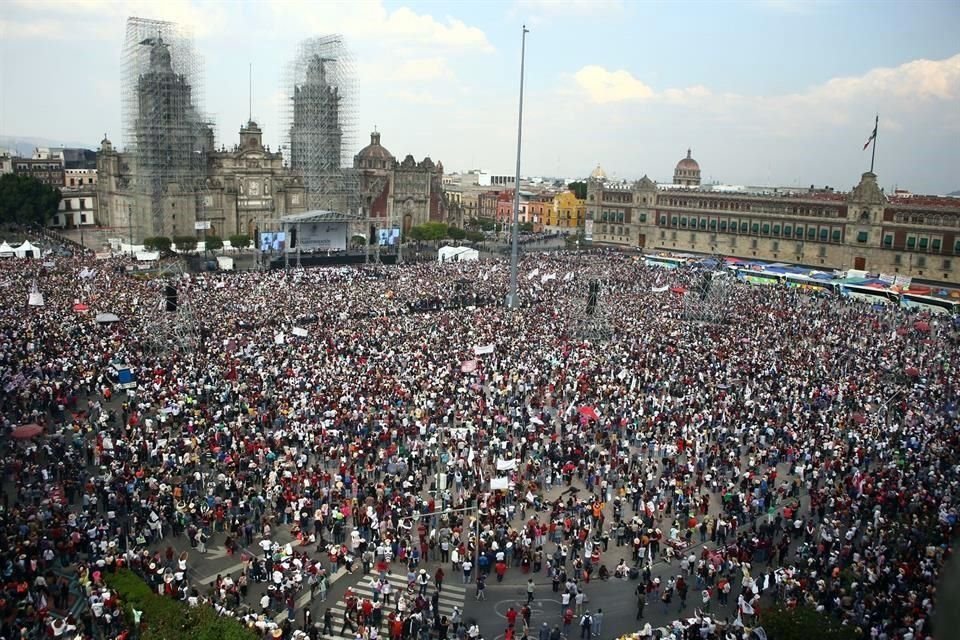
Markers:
(873, 152)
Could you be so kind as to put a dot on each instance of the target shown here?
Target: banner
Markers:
(547, 278)
(499, 483)
(506, 465)
(483, 349)
(568, 277)
(660, 289)
(533, 274)
(297, 331)
(278, 339)
(468, 366)
(588, 230)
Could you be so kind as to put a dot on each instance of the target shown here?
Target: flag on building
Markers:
(871, 138)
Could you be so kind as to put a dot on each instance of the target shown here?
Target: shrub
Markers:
(164, 618)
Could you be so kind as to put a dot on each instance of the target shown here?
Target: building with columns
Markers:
(245, 190)
(863, 229)
(403, 194)
(687, 172)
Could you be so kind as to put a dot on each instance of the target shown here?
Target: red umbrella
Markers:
(589, 413)
(922, 326)
(859, 418)
(27, 431)
(913, 372)
(679, 290)
(81, 308)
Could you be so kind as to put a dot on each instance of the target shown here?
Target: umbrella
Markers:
(107, 318)
(679, 290)
(922, 326)
(859, 418)
(27, 431)
(913, 372)
(81, 308)
(589, 413)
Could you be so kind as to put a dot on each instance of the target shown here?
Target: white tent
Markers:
(457, 254)
(6, 251)
(25, 248)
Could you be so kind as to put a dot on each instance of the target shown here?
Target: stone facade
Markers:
(246, 190)
(863, 229)
(406, 193)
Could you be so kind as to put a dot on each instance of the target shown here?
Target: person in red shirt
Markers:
(501, 569)
(511, 618)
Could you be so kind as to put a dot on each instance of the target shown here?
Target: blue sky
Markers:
(765, 92)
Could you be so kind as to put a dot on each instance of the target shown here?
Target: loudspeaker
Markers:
(170, 296)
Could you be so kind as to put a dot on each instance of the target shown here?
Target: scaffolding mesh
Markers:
(321, 122)
(164, 126)
(708, 299)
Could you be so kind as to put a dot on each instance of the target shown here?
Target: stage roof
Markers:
(319, 215)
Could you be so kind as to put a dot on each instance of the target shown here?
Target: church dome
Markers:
(688, 163)
(598, 173)
(687, 172)
(374, 155)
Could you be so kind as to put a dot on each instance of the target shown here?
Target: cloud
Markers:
(540, 10)
(422, 70)
(419, 97)
(71, 19)
(603, 86)
(371, 20)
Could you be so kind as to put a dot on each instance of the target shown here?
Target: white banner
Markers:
(499, 483)
(297, 331)
(506, 465)
(660, 289)
(201, 225)
(533, 274)
(278, 339)
(483, 349)
(588, 230)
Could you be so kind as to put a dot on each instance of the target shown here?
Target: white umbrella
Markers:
(107, 318)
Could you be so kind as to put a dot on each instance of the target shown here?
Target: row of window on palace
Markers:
(810, 232)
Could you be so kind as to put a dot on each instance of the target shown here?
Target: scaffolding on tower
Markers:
(168, 317)
(321, 123)
(164, 127)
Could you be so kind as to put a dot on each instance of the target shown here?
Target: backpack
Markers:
(585, 621)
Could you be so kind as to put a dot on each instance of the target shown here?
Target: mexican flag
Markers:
(871, 138)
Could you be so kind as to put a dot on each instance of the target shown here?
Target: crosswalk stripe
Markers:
(451, 596)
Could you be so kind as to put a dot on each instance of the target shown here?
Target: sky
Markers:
(764, 92)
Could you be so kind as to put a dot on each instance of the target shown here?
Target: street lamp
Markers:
(513, 301)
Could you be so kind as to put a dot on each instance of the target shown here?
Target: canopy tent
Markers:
(6, 251)
(457, 254)
(107, 318)
(27, 250)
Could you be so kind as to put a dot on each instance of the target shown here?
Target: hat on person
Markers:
(277, 633)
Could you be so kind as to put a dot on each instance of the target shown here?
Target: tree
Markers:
(456, 234)
(240, 241)
(476, 236)
(526, 226)
(214, 243)
(25, 201)
(579, 189)
(803, 623)
(358, 241)
(157, 243)
(185, 244)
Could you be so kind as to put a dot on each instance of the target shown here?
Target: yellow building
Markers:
(568, 211)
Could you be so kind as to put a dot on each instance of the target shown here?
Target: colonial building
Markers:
(404, 194)
(245, 190)
(48, 170)
(863, 229)
(568, 211)
(78, 207)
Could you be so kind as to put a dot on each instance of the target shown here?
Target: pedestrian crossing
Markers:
(451, 595)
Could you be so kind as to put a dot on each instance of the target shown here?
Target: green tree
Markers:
(214, 243)
(476, 236)
(358, 241)
(435, 231)
(25, 201)
(803, 623)
(185, 244)
(579, 189)
(455, 233)
(240, 241)
(157, 243)
(526, 226)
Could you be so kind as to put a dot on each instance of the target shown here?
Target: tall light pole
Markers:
(513, 300)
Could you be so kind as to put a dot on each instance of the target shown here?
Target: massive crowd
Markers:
(331, 417)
